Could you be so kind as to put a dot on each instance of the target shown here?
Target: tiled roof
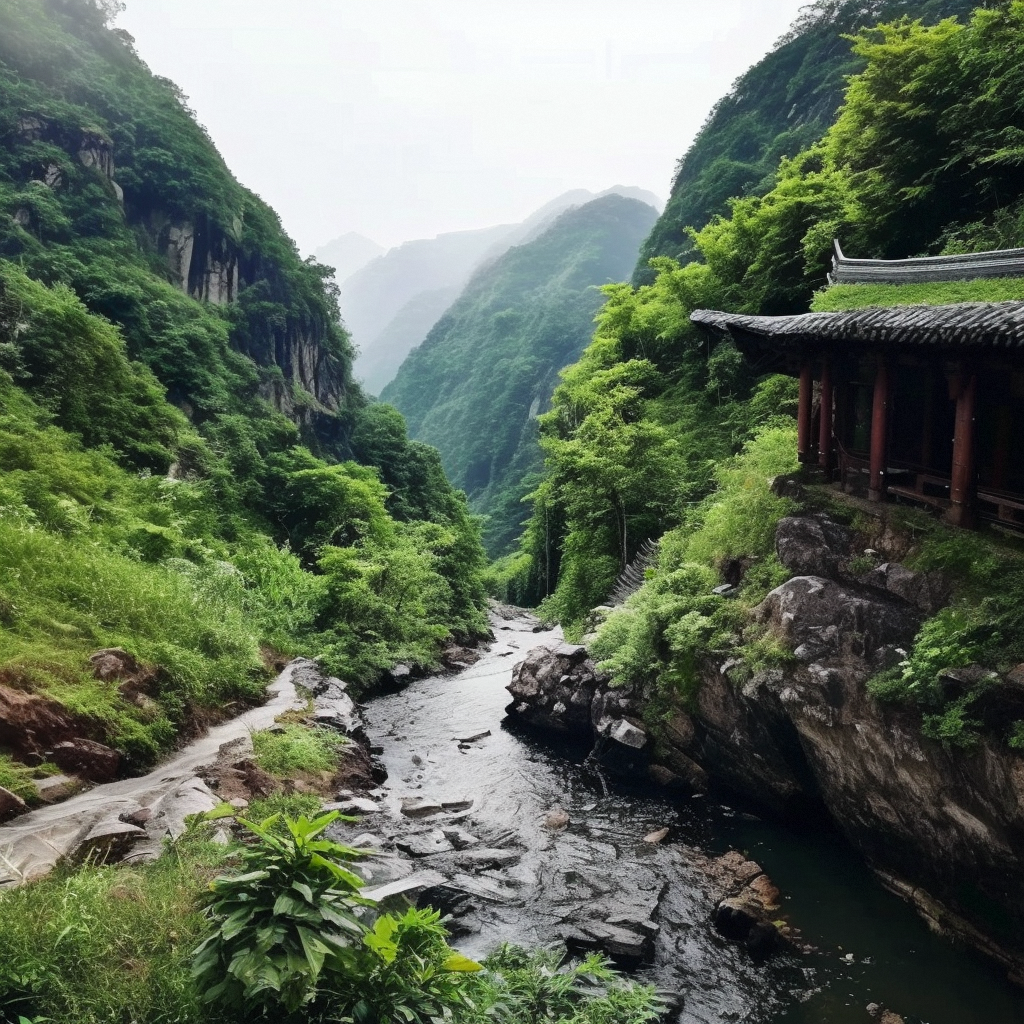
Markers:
(962, 325)
(921, 270)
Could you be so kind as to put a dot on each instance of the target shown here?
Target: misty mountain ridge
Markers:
(391, 303)
(490, 364)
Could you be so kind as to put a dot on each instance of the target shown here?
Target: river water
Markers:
(515, 778)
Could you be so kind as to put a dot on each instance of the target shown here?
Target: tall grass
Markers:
(61, 599)
(110, 944)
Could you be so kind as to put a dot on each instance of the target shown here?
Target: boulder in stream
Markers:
(554, 688)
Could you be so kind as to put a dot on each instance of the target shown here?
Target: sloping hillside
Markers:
(187, 470)
(476, 385)
(391, 304)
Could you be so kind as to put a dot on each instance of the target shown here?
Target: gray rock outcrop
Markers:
(554, 688)
(940, 825)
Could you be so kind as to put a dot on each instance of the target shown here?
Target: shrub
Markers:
(280, 924)
(521, 986)
(405, 972)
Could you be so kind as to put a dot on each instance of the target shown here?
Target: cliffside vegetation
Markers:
(186, 469)
(922, 158)
(488, 367)
(780, 107)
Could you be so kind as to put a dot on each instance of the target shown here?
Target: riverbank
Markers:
(531, 848)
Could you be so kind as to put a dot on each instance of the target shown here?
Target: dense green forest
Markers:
(778, 108)
(186, 469)
(489, 366)
(659, 432)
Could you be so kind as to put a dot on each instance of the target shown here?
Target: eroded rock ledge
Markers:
(942, 827)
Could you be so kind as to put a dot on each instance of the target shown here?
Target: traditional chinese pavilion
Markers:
(925, 403)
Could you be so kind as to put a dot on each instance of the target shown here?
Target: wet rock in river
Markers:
(354, 805)
(628, 734)
(418, 807)
(627, 947)
(554, 688)
(476, 737)
(556, 819)
(460, 838)
(748, 913)
(424, 845)
(480, 860)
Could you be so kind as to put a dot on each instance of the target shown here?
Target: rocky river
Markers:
(520, 839)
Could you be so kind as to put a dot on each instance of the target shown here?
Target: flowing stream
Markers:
(870, 946)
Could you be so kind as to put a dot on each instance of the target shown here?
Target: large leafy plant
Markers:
(407, 972)
(287, 919)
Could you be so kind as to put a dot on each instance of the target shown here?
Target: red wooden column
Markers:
(879, 431)
(803, 416)
(963, 487)
(825, 430)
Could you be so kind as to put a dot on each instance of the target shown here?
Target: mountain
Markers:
(487, 369)
(404, 332)
(373, 297)
(778, 108)
(347, 254)
(188, 472)
(391, 303)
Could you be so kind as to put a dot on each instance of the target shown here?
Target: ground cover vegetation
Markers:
(643, 435)
(271, 926)
(475, 385)
(960, 655)
(172, 481)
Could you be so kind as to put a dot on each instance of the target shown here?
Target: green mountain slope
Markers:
(475, 386)
(187, 470)
(923, 156)
(391, 304)
(782, 105)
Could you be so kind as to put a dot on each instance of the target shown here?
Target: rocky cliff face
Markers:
(206, 260)
(207, 263)
(942, 827)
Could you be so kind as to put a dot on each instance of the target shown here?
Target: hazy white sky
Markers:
(401, 119)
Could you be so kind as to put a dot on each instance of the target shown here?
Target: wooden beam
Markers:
(963, 489)
(825, 428)
(803, 417)
(879, 432)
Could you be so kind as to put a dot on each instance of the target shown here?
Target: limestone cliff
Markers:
(109, 185)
